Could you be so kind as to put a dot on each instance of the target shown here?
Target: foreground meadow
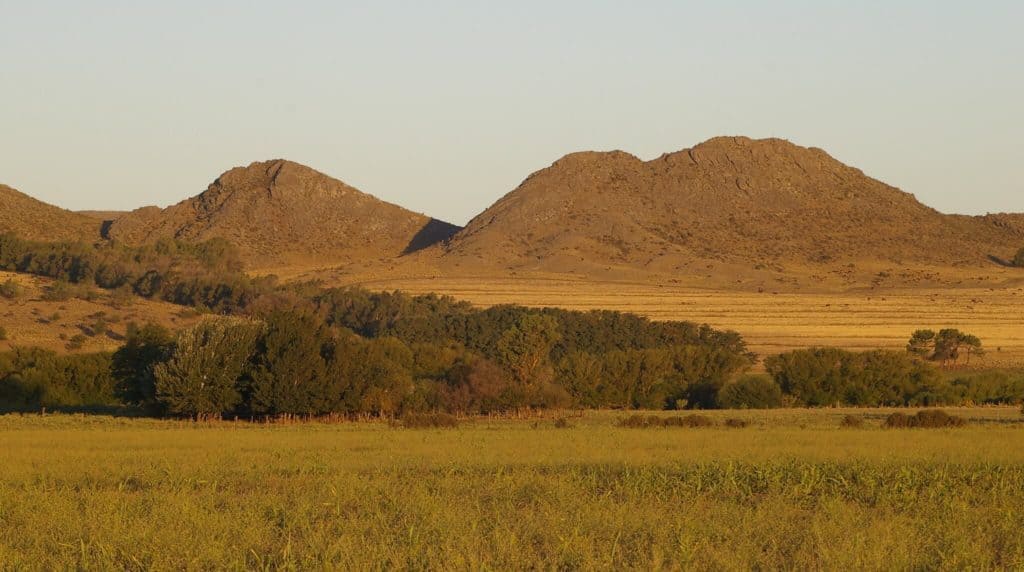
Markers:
(792, 490)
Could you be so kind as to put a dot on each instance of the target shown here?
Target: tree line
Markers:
(300, 349)
(296, 364)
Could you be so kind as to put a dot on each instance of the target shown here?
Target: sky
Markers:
(445, 106)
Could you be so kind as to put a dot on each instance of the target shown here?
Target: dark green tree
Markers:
(922, 343)
(525, 348)
(750, 392)
(290, 374)
(145, 346)
(204, 376)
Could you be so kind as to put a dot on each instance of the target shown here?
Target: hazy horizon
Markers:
(444, 108)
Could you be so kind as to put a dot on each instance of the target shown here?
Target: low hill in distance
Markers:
(35, 220)
(281, 213)
(732, 208)
(729, 213)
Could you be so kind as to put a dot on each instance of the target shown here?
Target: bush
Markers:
(11, 290)
(99, 327)
(735, 423)
(697, 421)
(651, 421)
(750, 392)
(58, 292)
(637, 421)
(936, 418)
(852, 422)
(926, 419)
(76, 342)
(429, 421)
(899, 421)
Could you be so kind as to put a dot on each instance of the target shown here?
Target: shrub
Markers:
(58, 292)
(936, 418)
(429, 421)
(650, 421)
(76, 342)
(735, 423)
(99, 327)
(852, 422)
(634, 422)
(11, 290)
(926, 419)
(562, 423)
(697, 421)
(750, 392)
(899, 421)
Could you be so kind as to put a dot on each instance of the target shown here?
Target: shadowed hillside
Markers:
(280, 212)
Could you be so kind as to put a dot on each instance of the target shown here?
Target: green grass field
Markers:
(791, 491)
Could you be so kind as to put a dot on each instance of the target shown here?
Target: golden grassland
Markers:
(772, 322)
(31, 321)
(791, 491)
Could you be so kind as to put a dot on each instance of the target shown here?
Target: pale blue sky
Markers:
(444, 106)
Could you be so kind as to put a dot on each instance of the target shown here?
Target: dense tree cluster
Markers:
(205, 275)
(830, 376)
(32, 379)
(294, 362)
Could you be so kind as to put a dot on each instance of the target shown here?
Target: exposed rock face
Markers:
(35, 220)
(280, 211)
(731, 199)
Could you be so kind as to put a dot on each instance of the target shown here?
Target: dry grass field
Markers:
(792, 490)
(29, 320)
(772, 322)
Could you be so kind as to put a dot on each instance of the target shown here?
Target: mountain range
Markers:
(753, 207)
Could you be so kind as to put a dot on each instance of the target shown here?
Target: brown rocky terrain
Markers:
(283, 213)
(35, 220)
(733, 204)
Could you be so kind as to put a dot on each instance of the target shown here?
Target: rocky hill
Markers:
(280, 212)
(35, 220)
(731, 200)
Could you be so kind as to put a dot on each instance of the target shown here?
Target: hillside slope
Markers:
(35, 220)
(280, 212)
(30, 320)
(746, 203)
